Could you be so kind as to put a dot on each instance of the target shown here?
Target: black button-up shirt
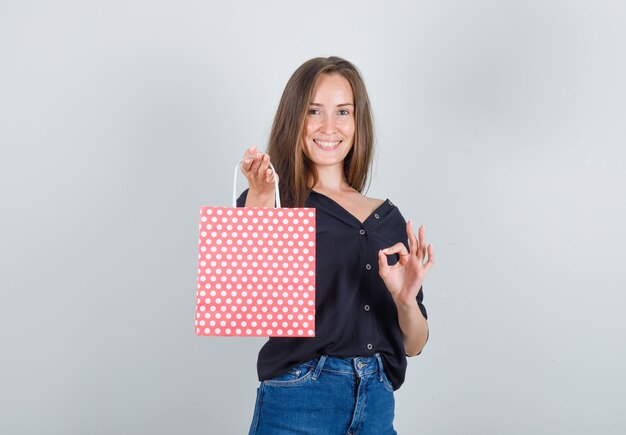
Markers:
(355, 314)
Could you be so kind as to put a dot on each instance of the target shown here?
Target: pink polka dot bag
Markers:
(256, 271)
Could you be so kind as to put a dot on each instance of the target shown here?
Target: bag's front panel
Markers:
(256, 272)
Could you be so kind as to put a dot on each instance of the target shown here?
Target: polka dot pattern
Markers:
(256, 272)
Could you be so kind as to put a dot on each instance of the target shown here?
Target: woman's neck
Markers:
(331, 179)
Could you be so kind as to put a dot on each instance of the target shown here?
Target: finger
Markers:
(383, 266)
(421, 252)
(412, 239)
(256, 163)
(269, 175)
(248, 168)
(431, 257)
(250, 152)
(264, 165)
(398, 248)
(421, 234)
(246, 165)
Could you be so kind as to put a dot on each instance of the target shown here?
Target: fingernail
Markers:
(266, 157)
(258, 155)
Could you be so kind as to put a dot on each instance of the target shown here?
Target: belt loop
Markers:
(318, 368)
(381, 369)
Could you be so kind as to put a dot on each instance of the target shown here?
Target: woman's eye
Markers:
(314, 112)
(344, 112)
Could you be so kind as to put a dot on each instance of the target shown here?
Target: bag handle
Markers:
(277, 193)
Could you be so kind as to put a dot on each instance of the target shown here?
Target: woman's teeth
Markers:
(327, 145)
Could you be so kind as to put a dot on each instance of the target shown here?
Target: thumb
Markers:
(383, 266)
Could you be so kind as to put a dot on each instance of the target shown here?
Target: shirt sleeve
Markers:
(241, 201)
(420, 302)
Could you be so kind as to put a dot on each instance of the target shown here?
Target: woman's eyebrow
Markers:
(338, 105)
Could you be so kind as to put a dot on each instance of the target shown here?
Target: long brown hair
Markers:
(285, 144)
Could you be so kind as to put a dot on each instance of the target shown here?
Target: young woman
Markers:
(369, 311)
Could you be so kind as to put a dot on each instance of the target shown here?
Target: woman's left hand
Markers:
(404, 279)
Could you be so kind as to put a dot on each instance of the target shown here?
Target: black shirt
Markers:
(355, 314)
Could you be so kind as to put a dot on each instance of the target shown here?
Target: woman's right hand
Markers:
(256, 169)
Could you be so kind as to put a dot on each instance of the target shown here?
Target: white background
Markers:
(500, 126)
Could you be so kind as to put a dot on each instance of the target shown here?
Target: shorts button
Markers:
(369, 346)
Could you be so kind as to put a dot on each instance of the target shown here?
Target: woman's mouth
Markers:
(327, 146)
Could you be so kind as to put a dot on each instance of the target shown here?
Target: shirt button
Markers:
(366, 307)
(361, 231)
(368, 266)
(369, 346)
(376, 216)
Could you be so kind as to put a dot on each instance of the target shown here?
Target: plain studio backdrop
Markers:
(500, 126)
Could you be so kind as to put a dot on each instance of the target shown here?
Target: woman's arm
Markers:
(404, 281)
(414, 327)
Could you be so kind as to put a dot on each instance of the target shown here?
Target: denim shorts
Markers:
(327, 396)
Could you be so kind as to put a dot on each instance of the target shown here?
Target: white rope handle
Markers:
(277, 194)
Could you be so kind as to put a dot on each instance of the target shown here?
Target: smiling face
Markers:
(329, 127)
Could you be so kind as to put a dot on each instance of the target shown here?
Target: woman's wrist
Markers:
(405, 305)
(260, 199)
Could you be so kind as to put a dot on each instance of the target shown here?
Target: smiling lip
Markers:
(328, 146)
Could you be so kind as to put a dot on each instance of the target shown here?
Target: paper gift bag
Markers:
(256, 271)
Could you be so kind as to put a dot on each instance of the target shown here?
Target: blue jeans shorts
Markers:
(327, 396)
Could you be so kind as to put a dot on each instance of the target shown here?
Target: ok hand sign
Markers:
(404, 279)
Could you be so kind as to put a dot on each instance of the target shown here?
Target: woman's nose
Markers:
(328, 124)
